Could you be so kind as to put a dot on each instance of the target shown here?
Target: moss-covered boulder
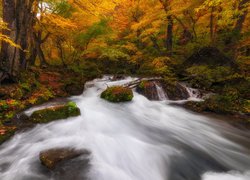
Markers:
(51, 158)
(55, 113)
(117, 94)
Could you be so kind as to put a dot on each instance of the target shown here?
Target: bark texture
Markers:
(18, 15)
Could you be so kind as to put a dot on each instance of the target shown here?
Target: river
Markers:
(138, 140)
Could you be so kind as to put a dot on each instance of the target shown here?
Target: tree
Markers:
(18, 16)
(169, 37)
(242, 14)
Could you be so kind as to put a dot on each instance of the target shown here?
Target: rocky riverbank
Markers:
(35, 87)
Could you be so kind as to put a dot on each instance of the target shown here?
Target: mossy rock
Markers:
(117, 94)
(55, 113)
(148, 89)
(53, 157)
(174, 89)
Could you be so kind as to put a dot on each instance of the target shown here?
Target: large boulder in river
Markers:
(53, 157)
(148, 89)
(175, 91)
(117, 94)
(171, 90)
(62, 111)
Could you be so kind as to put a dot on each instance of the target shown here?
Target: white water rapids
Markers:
(138, 140)
(161, 94)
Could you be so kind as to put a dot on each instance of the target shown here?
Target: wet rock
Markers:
(20, 120)
(175, 90)
(55, 113)
(117, 77)
(74, 89)
(148, 89)
(117, 94)
(52, 158)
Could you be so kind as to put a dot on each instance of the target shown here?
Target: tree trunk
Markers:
(155, 44)
(212, 25)
(38, 41)
(40, 53)
(239, 24)
(169, 39)
(186, 35)
(17, 14)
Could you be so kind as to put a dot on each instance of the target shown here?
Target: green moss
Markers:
(142, 85)
(55, 113)
(228, 103)
(204, 76)
(225, 104)
(117, 94)
(25, 86)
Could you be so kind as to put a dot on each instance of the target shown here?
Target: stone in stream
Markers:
(52, 158)
(117, 77)
(148, 89)
(74, 89)
(174, 90)
(57, 112)
(117, 94)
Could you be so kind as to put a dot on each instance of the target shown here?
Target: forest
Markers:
(178, 50)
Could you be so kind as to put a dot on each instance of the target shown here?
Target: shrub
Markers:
(204, 76)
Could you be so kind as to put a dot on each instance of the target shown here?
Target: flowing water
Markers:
(161, 93)
(194, 94)
(138, 140)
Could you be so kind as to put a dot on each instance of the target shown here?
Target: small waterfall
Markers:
(192, 93)
(160, 92)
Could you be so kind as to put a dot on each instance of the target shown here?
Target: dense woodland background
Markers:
(87, 38)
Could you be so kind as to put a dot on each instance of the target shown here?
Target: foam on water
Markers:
(226, 176)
